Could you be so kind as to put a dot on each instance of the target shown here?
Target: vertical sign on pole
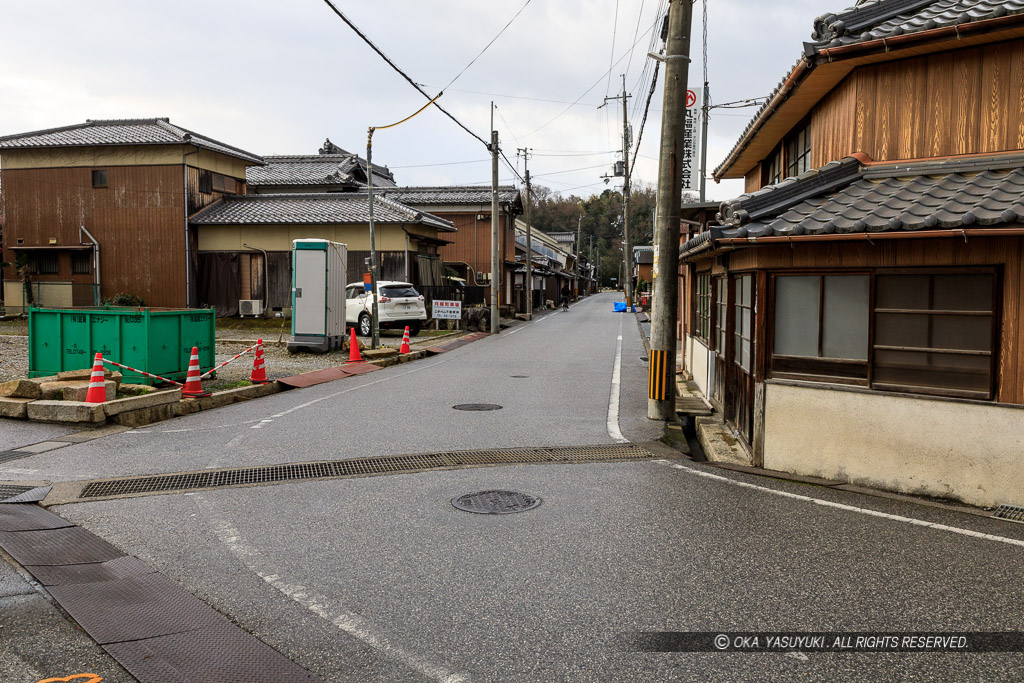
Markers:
(692, 140)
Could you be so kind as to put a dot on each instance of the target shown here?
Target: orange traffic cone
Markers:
(193, 385)
(259, 369)
(404, 348)
(353, 349)
(97, 391)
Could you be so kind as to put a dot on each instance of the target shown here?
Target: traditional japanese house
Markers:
(856, 314)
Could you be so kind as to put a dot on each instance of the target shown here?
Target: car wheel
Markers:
(365, 325)
(414, 329)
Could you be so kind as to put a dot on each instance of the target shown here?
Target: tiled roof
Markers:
(873, 20)
(321, 208)
(122, 132)
(876, 19)
(453, 194)
(960, 192)
(315, 169)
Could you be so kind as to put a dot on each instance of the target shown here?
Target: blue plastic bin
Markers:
(620, 307)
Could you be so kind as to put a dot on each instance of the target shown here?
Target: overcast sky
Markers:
(278, 77)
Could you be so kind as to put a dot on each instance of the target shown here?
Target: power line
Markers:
(447, 163)
(611, 55)
(514, 17)
(404, 75)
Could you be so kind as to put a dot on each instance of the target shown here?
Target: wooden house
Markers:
(856, 314)
(102, 207)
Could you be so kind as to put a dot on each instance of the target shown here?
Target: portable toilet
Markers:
(318, 295)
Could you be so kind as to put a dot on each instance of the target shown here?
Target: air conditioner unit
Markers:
(251, 307)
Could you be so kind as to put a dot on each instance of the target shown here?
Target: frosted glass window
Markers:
(796, 315)
(845, 328)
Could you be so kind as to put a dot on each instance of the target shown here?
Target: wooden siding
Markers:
(752, 181)
(964, 101)
(138, 220)
(1006, 252)
(472, 243)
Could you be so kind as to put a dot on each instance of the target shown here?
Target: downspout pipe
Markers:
(96, 260)
(266, 275)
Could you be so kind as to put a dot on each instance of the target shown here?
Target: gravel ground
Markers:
(279, 363)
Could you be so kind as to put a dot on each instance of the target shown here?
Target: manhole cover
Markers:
(518, 376)
(477, 406)
(496, 502)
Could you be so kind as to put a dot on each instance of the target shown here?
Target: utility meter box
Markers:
(318, 295)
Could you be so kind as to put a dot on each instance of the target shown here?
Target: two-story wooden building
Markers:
(856, 314)
(102, 207)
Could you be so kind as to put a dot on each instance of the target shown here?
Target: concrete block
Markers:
(145, 416)
(65, 411)
(123, 405)
(136, 389)
(54, 390)
(184, 408)
(371, 355)
(14, 407)
(85, 373)
(80, 391)
(20, 388)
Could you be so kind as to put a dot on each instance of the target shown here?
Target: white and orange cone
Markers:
(97, 390)
(353, 349)
(259, 366)
(404, 348)
(193, 385)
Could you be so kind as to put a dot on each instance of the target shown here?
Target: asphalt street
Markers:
(381, 578)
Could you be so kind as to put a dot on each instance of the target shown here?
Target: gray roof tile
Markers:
(453, 194)
(316, 169)
(320, 208)
(122, 132)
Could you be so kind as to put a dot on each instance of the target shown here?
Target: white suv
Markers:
(398, 305)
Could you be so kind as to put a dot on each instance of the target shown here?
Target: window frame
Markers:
(817, 369)
(795, 156)
(100, 178)
(702, 307)
(78, 258)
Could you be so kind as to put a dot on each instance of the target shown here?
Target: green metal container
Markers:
(154, 340)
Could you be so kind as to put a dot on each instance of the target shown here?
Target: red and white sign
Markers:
(447, 310)
(692, 140)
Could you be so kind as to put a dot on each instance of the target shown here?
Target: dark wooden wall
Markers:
(138, 220)
(1007, 252)
(957, 102)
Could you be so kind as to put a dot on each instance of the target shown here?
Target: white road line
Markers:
(613, 400)
(352, 624)
(261, 423)
(848, 508)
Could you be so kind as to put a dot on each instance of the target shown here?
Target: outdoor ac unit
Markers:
(252, 307)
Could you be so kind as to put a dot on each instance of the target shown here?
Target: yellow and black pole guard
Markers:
(657, 381)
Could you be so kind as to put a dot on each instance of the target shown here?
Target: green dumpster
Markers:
(154, 340)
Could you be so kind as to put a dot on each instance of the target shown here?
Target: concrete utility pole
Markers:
(495, 233)
(579, 249)
(625, 198)
(661, 397)
(375, 341)
(528, 281)
(704, 141)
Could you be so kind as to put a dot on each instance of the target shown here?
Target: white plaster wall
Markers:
(699, 358)
(965, 451)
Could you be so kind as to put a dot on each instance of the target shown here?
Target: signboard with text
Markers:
(692, 141)
(447, 310)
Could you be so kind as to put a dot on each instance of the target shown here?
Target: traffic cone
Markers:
(193, 385)
(97, 391)
(353, 349)
(404, 348)
(259, 368)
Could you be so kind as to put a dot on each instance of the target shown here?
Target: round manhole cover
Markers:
(477, 406)
(496, 502)
(518, 376)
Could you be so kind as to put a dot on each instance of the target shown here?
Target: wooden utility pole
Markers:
(528, 281)
(495, 233)
(661, 397)
(625, 199)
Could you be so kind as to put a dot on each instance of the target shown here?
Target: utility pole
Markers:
(528, 281)
(375, 340)
(661, 396)
(495, 271)
(704, 140)
(627, 255)
(593, 271)
(579, 249)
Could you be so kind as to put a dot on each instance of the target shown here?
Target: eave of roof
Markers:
(824, 66)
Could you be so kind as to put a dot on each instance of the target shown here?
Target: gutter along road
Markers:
(381, 578)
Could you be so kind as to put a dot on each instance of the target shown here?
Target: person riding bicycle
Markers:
(565, 297)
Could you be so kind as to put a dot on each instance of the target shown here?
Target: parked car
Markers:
(398, 305)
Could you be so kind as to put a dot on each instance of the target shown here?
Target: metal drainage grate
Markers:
(496, 502)
(206, 479)
(477, 406)
(1011, 513)
(11, 490)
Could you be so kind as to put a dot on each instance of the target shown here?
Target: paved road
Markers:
(381, 578)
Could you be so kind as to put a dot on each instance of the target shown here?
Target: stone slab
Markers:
(65, 411)
(14, 407)
(79, 393)
(20, 388)
(121, 405)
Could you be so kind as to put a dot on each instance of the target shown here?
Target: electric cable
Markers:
(514, 17)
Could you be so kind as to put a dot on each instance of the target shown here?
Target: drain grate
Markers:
(477, 406)
(1011, 513)
(397, 464)
(11, 490)
(13, 455)
(496, 502)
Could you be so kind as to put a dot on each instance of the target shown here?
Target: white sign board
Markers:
(447, 310)
(692, 140)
